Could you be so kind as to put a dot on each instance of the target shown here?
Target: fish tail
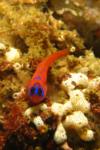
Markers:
(52, 58)
(48, 62)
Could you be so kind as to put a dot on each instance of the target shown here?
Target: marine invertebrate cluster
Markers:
(30, 31)
(12, 54)
(74, 110)
(71, 114)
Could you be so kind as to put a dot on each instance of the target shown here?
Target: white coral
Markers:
(57, 109)
(2, 46)
(12, 54)
(87, 135)
(44, 107)
(29, 112)
(60, 134)
(74, 80)
(61, 109)
(76, 120)
(67, 85)
(94, 84)
(67, 106)
(79, 101)
(79, 79)
(38, 121)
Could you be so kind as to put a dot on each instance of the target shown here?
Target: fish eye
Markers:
(32, 90)
(36, 91)
(40, 92)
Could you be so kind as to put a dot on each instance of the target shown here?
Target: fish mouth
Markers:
(35, 100)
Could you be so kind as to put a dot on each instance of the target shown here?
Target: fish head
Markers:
(37, 93)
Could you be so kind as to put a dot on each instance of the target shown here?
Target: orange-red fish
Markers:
(37, 86)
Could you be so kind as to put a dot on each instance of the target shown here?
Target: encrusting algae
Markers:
(30, 32)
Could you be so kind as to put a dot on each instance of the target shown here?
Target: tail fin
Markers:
(47, 62)
(53, 57)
